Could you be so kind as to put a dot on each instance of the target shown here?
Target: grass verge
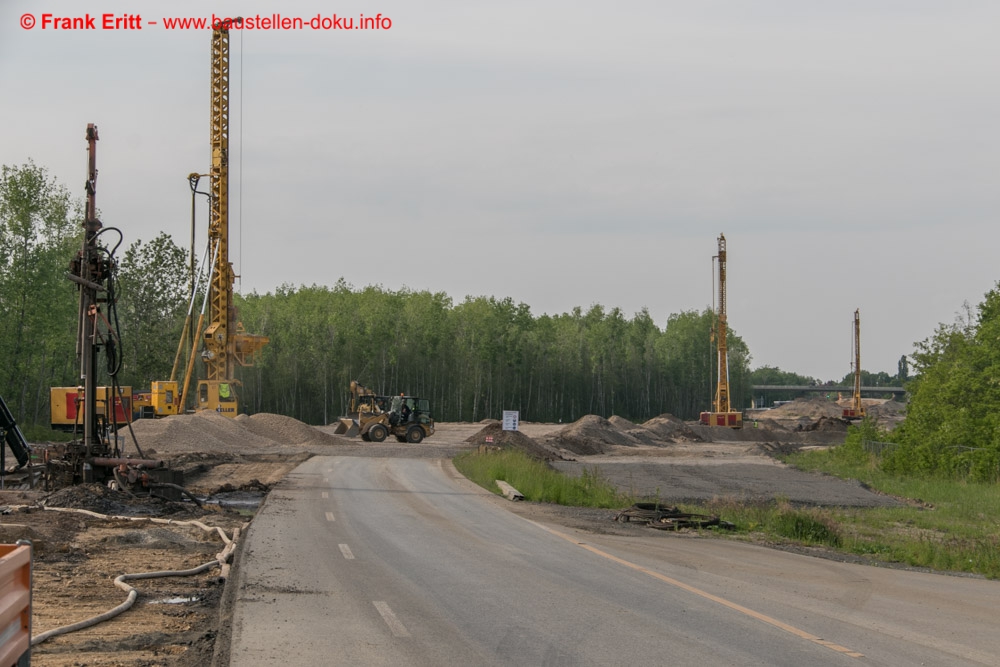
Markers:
(947, 525)
(537, 481)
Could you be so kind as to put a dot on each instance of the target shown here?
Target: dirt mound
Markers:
(510, 440)
(887, 408)
(592, 434)
(888, 414)
(640, 433)
(288, 431)
(813, 407)
(213, 433)
(673, 429)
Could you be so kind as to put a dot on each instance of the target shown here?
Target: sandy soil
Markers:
(176, 621)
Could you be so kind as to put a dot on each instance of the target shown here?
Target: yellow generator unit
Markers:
(160, 401)
(66, 407)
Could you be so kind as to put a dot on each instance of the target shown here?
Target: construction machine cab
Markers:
(217, 396)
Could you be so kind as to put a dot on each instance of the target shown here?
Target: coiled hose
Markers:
(221, 560)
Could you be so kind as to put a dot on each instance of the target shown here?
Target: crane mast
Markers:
(218, 363)
(722, 413)
(722, 381)
(857, 410)
(226, 343)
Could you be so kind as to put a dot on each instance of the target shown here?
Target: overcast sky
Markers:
(559, 153)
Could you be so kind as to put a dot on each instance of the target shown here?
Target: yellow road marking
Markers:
(802, 634)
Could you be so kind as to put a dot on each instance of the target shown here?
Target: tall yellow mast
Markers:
(722, 381)
(218, 362)
(226, 342)
(857, 409)
(722, 413)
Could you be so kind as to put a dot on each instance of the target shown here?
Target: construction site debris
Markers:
(662, 517)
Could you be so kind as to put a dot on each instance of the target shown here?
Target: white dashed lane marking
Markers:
(346, 550)
(329, 516)
(397, 628)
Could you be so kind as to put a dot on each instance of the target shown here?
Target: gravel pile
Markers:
(807, 408)
(639, 433)
(668, 427)
(212, 433)
(511, 440)
(591, 434)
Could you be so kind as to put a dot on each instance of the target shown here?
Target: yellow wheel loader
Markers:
(363, 400)
(408, 418)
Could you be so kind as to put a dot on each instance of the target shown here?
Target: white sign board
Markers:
(510, 418)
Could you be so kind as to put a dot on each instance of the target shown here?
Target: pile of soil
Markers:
(592, 434)
(888, 414)
(668, 427)
(213, 433)
(286, 430)
(813, 408)
(640, 433)
(511, 440)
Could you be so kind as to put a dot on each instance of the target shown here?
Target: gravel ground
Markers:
(688, 481)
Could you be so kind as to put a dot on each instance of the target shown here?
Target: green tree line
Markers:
(479, 357)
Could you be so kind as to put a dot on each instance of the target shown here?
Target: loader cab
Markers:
(217, 396)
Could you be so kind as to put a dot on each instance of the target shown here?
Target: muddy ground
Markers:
(231, 464)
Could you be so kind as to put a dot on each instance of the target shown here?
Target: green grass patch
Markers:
(537, 481)
(945, 524)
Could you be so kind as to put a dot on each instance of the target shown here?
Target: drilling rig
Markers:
(98, 456)
(226, 343)
(857, 410)
(722, 414)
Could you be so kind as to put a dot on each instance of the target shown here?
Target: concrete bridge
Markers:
(827, 389)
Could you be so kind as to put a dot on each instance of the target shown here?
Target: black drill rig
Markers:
(98, 455)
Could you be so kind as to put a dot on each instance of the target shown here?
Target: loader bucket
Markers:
(346, 427)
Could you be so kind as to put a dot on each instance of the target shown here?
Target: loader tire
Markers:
(415, 434)
(377, 433)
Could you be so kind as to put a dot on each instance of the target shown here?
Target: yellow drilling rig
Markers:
(225, 342)
(722, 414)
(857, 409)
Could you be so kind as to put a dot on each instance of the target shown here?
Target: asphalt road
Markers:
(381, 561)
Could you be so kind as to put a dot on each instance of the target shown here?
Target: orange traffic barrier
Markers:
(15, 604)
